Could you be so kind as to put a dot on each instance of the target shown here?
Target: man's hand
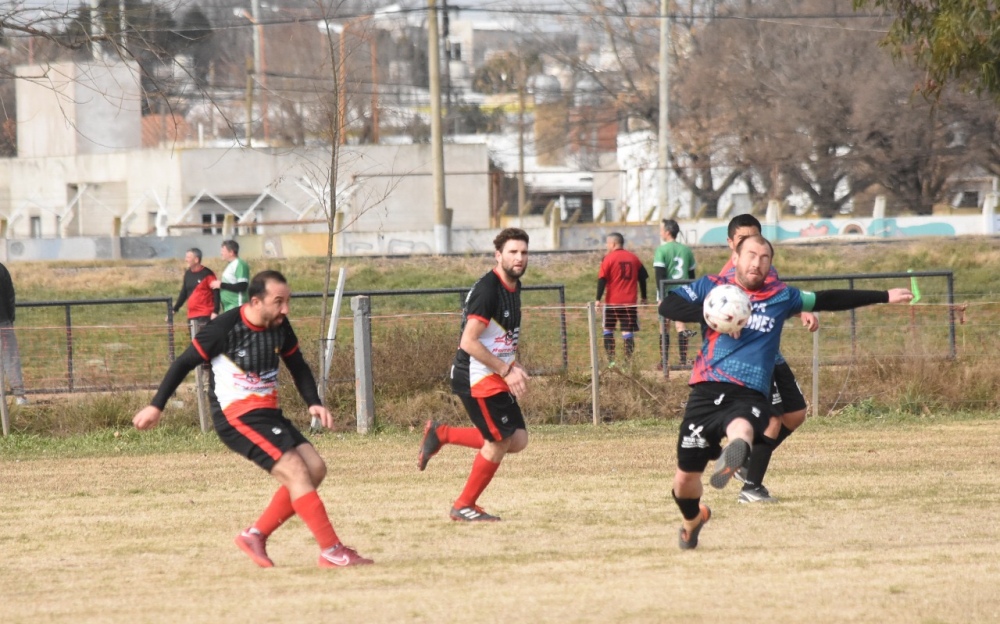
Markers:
(147, 417)
(214, 284)
(323, 414)
(810, 321)
(900, 295)
(517, 381)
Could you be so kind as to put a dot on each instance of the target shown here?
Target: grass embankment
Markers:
(895, 360)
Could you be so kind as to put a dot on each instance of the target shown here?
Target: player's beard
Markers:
(512, 273)
(750, 282)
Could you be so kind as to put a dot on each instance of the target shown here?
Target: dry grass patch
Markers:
(878, 523)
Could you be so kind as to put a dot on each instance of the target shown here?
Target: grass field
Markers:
(882, 520)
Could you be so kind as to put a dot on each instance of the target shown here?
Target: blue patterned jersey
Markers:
(749, 360)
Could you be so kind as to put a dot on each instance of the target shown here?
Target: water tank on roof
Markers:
(547, 89)
(588, 92)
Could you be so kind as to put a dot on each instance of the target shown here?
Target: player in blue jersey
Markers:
(731, 378)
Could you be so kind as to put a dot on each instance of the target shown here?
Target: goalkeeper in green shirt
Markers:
(674, 261)
(235, 277)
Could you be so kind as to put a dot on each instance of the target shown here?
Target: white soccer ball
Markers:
(727, 308)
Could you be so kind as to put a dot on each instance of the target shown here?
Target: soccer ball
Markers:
(727, 308)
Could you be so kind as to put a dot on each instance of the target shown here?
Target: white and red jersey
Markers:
(244, 359)
(499, 308)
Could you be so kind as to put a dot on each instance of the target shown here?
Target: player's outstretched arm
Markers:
(835, 300)
(677, 308)
(147, 417)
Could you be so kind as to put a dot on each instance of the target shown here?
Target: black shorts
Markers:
(497, 417)
(786, 395)
(710, 408)
(624, 316)
(261, 435)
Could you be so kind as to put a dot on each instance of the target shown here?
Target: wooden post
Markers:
(363, 387)
(595, 363)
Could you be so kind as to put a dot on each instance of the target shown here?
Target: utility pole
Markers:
(663, 137)
(442, 226)
(446, 69)
(521, 86)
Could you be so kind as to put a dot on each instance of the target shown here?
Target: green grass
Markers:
(896, 360)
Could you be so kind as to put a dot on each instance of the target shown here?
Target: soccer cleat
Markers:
(688, 333)
(689, 540)
(473, 513)
(429, 445)
(756, 494)
(734, 456)
(254, 545)
(341, 556)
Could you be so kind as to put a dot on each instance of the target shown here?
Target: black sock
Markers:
(690, 507)
(664, 346)
(760, 458)
(609, 346)
(629, 347)
(682, 346)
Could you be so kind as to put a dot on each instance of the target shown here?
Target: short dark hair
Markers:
(508, 234)
(618, 238)
(742, 221)
(196, 252)
(671, 227)
(258, 285)
(232, 246)
(756, 238)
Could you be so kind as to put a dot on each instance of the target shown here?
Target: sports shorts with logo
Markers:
(261, 435)
(786, 395)
(497, 417)
(710, 408)
(624, 316)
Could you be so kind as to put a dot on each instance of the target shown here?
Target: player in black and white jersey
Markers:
(244, 348)
(486, 377)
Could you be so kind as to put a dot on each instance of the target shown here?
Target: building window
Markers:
(214, 220)
(36, 227)
(968, 199)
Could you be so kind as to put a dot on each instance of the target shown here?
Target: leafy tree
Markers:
(953, 40)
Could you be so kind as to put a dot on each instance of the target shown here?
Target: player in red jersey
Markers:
(621, 274)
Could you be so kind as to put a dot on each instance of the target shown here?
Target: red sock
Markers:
(481, 475)
(462, 436)
(310, 508)
(279, 510)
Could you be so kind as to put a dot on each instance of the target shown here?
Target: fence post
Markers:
(199, 377)
(363, 387)
(595, 364)
(69, 347)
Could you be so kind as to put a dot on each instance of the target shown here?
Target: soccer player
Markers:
(486, 377)
(244, 347)
(235, 277)
(673, 260)
(621, 271)
(731, 378)
(196, 290)
(788, 405)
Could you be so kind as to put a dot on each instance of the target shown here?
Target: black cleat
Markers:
(430, 444)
